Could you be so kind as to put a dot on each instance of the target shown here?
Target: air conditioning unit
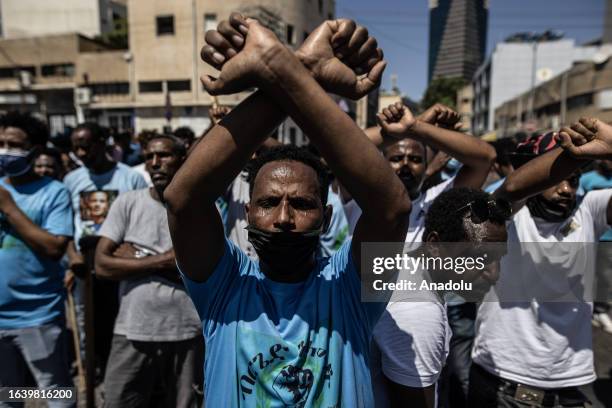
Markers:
(82, 96)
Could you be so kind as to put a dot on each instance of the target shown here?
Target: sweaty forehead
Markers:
(486, 231)
(159, 145)
(278, 177)
(405, 146)
(13, 134)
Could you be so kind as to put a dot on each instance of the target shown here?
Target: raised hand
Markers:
(589, 138)
(396, 120)
(442, 116)
(341, 56)
(337, 53)
(216, 113)
(242, 59)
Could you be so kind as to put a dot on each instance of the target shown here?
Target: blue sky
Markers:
(402, 29)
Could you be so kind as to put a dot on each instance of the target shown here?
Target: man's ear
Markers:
(327, 216)
(430, 246)
(432, 237)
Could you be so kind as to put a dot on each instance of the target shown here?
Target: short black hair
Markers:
(178, 146)
(98, 132)
(289, 153)
(444, 219)
(185, 134)
(52, 152)
(34, 128)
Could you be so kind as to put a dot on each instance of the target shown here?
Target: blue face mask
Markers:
(15, 162)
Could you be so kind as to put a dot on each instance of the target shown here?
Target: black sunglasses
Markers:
(484, 209)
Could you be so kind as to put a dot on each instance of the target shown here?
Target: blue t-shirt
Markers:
(31, 285)
(593, 180)
(92, 195)
(271, 344)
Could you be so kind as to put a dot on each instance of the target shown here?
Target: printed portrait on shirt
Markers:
(94, 206)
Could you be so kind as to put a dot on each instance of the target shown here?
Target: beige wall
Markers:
(465, 97)
(21, 18)
(582, 79)
(176, 57)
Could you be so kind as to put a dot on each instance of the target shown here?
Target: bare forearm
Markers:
(220, 157)
(114, 268)
(352, 157)
(539, 174)
(467, 149)
(41, 242)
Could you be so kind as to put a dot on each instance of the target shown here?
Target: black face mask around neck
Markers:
(284, 249)
(541, 208)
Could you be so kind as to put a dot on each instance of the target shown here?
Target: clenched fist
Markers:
(589, 138)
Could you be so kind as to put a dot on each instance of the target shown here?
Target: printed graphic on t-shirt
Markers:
(94, 206)
(287, 372)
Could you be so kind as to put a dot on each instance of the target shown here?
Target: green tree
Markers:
(118, 37)
(443, 90)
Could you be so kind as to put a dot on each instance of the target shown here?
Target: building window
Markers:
(65, 70)
(165, 25)
(179, 86)
(210, 22)
(290, 35)
(110, 88)
(150, 86)
(580, 101)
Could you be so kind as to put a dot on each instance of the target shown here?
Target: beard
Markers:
(410, 182)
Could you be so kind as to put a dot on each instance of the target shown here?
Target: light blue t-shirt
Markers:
(271, 344)
(91, 210)
(31, 285)
(593, 180)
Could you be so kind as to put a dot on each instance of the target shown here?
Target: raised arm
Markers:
(552, 167)
(218, 159)
(476, 155)
(351, 156)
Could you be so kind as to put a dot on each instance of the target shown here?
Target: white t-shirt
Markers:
(140, 169)
(411, 339)
(543, 344)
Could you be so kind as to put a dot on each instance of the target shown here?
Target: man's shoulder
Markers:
(75, 175)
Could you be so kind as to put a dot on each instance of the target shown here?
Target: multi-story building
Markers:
(41, 74)
(465, 99)
(156, 82)
(583, 90)
(31, 18)
(514, 68)
(457, 37)
(165, 41)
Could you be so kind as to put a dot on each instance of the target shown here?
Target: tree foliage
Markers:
(443, 90)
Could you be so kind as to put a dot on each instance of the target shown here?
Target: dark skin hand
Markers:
(264, 62)
(589, 138)
(477, 156)
(119, 262)
(39, 240)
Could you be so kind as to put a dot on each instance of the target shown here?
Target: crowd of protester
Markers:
(226, 269)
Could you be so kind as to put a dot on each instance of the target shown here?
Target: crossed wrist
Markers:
(278, 61)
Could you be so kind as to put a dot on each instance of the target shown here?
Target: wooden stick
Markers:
(76, 340)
